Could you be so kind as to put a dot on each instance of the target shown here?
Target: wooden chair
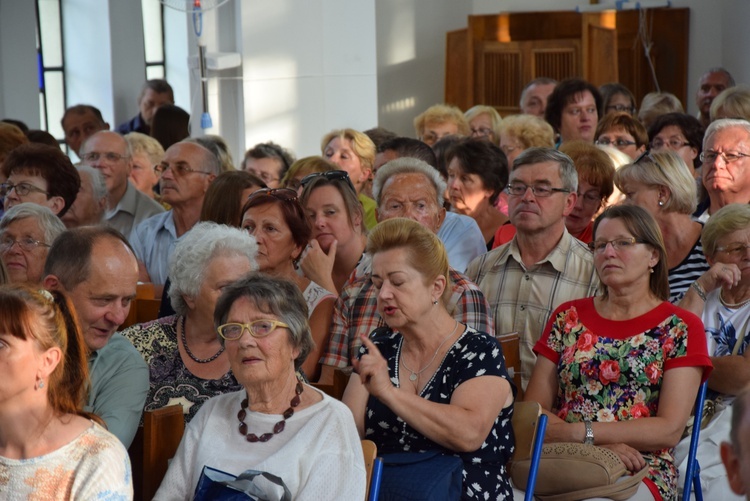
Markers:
(154, 445)
(145, 306)
(511, 344)
(335, 388)
(529, 424)
(370, 450)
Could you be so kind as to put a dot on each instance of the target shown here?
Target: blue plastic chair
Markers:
(693, 473)
(377, 475)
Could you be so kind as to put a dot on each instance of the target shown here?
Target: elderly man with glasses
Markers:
(543, 266)
(726, 166)
(127, 207)
(186, 172)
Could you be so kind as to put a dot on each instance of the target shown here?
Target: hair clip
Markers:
(47, 295)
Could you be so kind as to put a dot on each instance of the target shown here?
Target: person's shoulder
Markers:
(120, 351)
(96, 436)
(148, 203)
(686, 316)
(458, 279)
(496, 257)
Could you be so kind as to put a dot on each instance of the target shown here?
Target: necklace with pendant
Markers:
(415, 374)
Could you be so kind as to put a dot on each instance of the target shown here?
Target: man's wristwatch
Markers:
(589, 439)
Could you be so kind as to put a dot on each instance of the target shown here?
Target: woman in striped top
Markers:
(662, 184)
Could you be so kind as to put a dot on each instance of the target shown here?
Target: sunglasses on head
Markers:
(331, 175)
(283, 194)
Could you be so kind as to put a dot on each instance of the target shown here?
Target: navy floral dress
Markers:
(613, 370)
(170, 381)
(473, 355)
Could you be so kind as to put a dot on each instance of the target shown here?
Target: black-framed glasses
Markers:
(179, 170)
(22, 189)
(617, 143)
(94, 156)
(257, 329)
(25, 244)
(621, 108)
(331, 175)
(618, 244)
(283, 194)
(481, 132)
(710, 156)
(591, 198)
(672, 144)
(539, 190)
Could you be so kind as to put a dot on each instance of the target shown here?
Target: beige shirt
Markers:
(522, 299)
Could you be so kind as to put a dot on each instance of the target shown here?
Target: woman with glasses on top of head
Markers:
(622, 369)
(274, 423)
(338, 239)
(279, 224)
(662, 184)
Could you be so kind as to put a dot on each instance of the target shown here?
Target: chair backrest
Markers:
(511, 344)
(155, 444)
(337, 384)
(370, 451)
(145, 306)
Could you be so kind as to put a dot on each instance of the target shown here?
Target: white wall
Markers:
(411, 57)
(308, 67)
(19, 78)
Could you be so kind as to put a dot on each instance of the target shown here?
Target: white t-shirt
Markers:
(318, 455)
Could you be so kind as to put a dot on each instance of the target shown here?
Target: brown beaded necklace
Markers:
(278, 427)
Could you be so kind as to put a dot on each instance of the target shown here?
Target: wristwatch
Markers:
(589, 439)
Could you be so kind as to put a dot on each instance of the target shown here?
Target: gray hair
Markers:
(663, 169)
(50, 224)
(719, 69)
(141, 143)
(568, 173)
(210, 162)
(98, 185)
(218, 146)
(128, 150)
(408, 165)
(725, 123)
(728, 219)
(197, 248)
(276, 296)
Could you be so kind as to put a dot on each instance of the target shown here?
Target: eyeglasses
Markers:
(25, 244)
(178, 170)
(735, 250)
(539, 190)
(331, 175)
(673, 144)
(482, 132)
(728, 156)
(284, 194)
(617, 143)
(619, 244)
(94, 156)
(257, 329)
(648, 156)
(22, 189)
(620, 107)
(591, 198)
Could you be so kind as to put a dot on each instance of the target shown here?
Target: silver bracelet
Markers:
(699, 290)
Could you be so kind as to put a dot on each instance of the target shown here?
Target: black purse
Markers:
(421, 476)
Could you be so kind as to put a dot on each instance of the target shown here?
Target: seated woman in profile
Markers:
(622, 369)
(186, 361)
(429, 383)
(49, 448)
(275, 423)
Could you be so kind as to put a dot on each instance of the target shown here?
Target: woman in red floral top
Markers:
(622, 369)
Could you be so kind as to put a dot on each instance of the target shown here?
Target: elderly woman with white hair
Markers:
(27, 231)
(186, 360)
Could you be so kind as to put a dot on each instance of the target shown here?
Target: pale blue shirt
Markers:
(119, 385)
(462, 238)
(153, 242)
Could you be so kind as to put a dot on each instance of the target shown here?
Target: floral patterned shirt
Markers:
(612, 370)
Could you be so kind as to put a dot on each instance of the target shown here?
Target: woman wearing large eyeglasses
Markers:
(277, 221)
(621, 370)
(338, 239)
(662, 184)
(275, 423)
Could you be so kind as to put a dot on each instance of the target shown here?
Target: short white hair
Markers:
(50, 224)
(725, 123)
(408, 165)
(192, 254)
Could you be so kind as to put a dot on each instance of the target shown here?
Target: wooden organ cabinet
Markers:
(491, 60)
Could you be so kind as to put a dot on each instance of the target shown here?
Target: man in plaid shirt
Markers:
(405, 187)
